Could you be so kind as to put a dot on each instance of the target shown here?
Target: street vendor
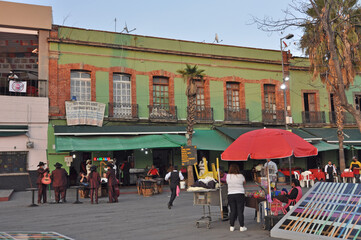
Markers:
(272, 166)
(153, 172)
(294, 195)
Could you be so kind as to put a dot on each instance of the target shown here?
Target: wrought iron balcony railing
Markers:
(203, 114)
(236, 115)
(122, 110)
(273, 116)
(348, 119)
(313, 117)
(163, 113)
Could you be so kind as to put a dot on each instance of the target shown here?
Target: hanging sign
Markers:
(68, 160)
(17, 86)
(189, 155)
(84, 113)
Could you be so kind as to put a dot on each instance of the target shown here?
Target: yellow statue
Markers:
(203, 169)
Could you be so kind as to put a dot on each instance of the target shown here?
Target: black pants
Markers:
(126, 178)
(236, 203)
(330, 178)
(357, 176)
(173, 189)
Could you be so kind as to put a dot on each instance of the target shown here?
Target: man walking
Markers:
(175, 177)
(59, 177)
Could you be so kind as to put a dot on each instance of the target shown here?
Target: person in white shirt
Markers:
(236, 197)
(175, 177)
(330, 170)
(272, 167)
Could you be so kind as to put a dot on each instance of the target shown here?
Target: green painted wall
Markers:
(54, 157)
(180, 99)
(143, 96)
(165, 44)
(253, 96)
(216, 92)
(102, 88)
(300, 81)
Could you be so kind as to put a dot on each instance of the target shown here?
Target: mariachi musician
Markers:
(41, 186)
(112, 182)
(59, 177)
(94, 182)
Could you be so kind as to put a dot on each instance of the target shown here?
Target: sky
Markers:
(191, 20)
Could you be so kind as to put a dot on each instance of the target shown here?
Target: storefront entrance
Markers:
(163, 159)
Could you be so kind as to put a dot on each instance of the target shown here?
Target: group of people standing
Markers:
(59, 177)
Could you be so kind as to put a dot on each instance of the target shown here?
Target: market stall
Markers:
(267, 144)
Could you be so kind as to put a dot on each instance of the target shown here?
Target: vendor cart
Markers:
(208, 198)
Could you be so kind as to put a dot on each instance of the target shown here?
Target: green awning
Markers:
(204, 140)
(13, 130)
(353, 147)
(351, 135)
(111, 143)
(234, 132)
(323, 146)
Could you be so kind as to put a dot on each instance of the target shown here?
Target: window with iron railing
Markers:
(200, 98)
(122, 95)
(160, 91)
(232, 96)
(20, 83)
(269, 111)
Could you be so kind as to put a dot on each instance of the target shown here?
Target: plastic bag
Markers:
(178, 191)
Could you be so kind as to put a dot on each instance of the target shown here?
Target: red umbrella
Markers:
(268, 144)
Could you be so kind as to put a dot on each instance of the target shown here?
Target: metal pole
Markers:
(285, 103)
(284, 82)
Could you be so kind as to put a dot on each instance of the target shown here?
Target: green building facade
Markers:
(145, 103)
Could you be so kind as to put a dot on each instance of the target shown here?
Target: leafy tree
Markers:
(190, 75)
(331, 39)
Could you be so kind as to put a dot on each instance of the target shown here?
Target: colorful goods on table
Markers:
(256, 194)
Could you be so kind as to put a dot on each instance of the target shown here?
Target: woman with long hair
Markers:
(236, 197)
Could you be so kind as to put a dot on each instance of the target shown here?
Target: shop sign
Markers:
(189, 155)
(84, 113)
(68, 160)
(17, 86)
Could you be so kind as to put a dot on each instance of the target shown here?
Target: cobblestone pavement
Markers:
(133, 217)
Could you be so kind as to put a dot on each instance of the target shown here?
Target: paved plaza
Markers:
(133, 217)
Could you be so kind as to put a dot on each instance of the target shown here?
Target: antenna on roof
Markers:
(115, 24)
(216, 39)
(127, 30)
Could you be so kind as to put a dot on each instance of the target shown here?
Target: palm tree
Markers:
(331, 39)
(190, 75)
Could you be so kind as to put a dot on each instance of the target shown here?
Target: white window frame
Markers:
(122, 95)
(80, 85)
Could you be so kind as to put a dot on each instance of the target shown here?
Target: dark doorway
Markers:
(314, 162)
(162, 159)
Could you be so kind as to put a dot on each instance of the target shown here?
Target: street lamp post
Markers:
(283, 86)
